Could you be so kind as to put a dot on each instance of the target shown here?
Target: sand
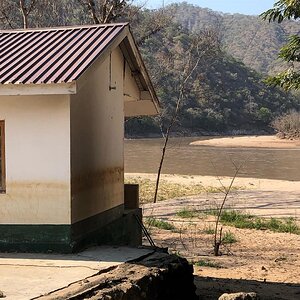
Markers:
(263, 141)
(264, 262)
(261, 261)
(206, 181)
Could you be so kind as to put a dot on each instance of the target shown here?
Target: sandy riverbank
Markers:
(212, 181)
(262, 261)
(263, 141)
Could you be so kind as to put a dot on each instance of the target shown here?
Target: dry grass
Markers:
(168, 190)
(152, 222)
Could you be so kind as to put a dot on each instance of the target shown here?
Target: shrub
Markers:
(205, 263)
(229, 238)
(187, 213)
(160, 224)
(288, 125)
(209, 230)
(243, 220)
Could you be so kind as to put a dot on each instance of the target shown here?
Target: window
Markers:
(2, 157)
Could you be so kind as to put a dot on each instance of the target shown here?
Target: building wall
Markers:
(97, 132)
(37, 150)
(65, 163)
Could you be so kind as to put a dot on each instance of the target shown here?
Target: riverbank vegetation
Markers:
(288, 125)
(233, 222)
(244, 220)
(240, 219)
(152, 222)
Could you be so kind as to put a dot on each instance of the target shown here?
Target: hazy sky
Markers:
(249, 7)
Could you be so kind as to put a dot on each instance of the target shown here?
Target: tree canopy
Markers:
(286, 10)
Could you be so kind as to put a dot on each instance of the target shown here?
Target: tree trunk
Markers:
(92, 5)
(24, 13)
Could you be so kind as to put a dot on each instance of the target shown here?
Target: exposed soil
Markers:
(260, 261)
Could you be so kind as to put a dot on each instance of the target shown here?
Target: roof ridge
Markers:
(63, 27)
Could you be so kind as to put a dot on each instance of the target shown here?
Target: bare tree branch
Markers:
(6, 18)
(217, 242)
(174, 117)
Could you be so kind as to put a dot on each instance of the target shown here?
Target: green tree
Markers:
(286, 10)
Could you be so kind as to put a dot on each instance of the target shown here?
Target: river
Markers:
(143, 155)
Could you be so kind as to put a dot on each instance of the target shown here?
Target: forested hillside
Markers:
(248, 38)
(215, 59)
(223, 94)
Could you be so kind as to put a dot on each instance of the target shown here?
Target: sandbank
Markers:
(263, 141)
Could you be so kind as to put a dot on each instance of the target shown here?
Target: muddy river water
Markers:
(143, 155)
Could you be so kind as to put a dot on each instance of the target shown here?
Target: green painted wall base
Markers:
(113, 227)
(35, 238)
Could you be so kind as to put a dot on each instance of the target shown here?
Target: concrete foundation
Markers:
(30, 276)
(97, 230)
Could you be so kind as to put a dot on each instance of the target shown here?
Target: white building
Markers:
(64, 93)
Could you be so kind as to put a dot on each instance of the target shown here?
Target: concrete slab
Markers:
(26, 276)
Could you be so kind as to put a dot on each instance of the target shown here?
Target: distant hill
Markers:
(248, 38)
(223, 95)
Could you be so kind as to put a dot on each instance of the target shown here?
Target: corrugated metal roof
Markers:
(52, 55)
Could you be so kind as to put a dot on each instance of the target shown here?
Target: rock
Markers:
(239, 296)
(2, 295)
(158, 276)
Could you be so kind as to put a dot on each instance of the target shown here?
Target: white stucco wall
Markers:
(97, 132)
(37, 150)
(64, 153)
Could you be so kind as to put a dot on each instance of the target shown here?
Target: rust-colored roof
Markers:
(54, 55)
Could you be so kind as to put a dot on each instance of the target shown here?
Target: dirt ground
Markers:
(261, 261)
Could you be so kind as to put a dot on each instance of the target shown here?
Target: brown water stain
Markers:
(97, 179)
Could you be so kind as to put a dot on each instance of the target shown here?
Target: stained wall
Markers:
(37, 154)
(97, 133)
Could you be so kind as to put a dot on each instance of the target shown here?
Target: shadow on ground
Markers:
(209, 288)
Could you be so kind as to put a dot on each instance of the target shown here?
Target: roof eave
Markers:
(137, 60)
(60, 27)
(38, 89)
